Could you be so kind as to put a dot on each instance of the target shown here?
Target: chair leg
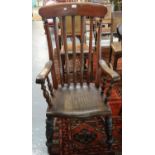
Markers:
(108, 129)
(49, 133)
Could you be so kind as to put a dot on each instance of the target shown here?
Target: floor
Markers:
(39, 57)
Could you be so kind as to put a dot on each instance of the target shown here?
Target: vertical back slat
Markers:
(90, 50)
(74, 49)
(82, 56)
(58, 50)
(50, 50)
(65, 48)
(98, 53)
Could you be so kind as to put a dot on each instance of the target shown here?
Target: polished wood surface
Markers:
(78, 102)
(74, 49)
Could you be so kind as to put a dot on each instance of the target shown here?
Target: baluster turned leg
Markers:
(108, 119)
(108, 129)
(50, 87)
(49, 133)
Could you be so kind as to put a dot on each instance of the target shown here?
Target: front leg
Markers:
(108, 129)
(49, 133)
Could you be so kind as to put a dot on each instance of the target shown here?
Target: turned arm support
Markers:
(42, 76)
(105, 68)
(44, 73)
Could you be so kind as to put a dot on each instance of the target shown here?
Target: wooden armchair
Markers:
(75, 99)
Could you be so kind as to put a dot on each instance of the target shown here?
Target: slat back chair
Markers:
(72, 99)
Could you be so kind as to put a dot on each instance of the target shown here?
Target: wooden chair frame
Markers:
(54, 93)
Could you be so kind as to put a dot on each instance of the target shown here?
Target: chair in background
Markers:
(106, 33)
(116, 47)
(77, 98)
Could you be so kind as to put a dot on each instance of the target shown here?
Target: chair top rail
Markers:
(73, 9)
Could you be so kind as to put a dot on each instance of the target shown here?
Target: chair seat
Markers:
(78, 101)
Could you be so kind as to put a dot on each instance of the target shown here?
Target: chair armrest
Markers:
(113, 74)
(44, 73)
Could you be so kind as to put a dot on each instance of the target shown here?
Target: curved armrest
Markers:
(44, 73)
(113, 74)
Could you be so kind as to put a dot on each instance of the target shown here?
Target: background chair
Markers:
(116, 47)
(77, 97)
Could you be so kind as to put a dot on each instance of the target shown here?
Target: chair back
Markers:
(72, 10)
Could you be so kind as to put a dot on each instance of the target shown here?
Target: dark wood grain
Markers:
(79, 101)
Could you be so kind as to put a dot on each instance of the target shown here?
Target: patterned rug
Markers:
(75, 137)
